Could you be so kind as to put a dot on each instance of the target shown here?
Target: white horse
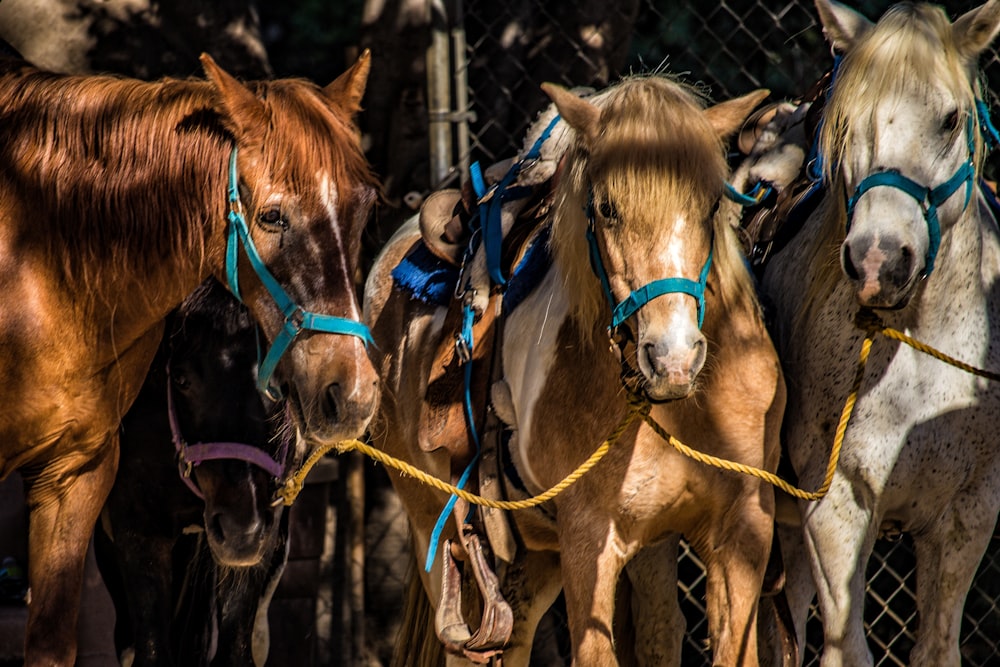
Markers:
(904, 214)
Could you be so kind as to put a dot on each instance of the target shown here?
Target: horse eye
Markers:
(272, 218)
(608, 210)
(180, 380)
(950, 121)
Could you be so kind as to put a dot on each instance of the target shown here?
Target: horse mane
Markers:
(915, 39)
(211, 308)
(910, 39)
(655, 146)
(121, 173)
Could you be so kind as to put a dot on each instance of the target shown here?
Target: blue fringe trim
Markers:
(426, 277)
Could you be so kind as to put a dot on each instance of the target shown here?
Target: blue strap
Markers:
(929, 200)
(640, 297)
(756, 195)
(468, 317)
(296, 319)
(986, 127)
(491, 210)
(478, 184)
(232, 236)
(596, 264)
(891, 179)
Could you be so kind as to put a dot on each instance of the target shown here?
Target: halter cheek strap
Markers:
(296, 319)
(929, 199)
(631, 304)
(640, 297)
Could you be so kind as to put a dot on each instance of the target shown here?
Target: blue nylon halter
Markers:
(624, 309)
(490, 210)
(296, 319)
(928, 198)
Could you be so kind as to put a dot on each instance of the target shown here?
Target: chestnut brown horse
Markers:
(643, 172)
(115, 195)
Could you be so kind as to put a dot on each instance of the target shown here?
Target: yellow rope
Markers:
(770, 477)
(287, 494)
(866, 319)
(640, 409)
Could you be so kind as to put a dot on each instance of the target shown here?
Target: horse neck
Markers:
(142, 205)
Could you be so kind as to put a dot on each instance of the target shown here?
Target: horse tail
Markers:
(417, 645)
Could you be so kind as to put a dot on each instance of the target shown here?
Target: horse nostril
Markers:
(846, 262)
(698, 350)
(216, 525)
(904, 267)
(649, 352)
(333, 398)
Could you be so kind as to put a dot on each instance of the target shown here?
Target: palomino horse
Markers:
(196, 552)
(901, 144)
(649, 167)
(114, 209)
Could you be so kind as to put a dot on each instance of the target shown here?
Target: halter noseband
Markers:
(624, 309)
(189, 456)
(296, 319)
(928, 198)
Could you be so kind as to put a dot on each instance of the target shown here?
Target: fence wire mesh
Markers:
(728, 48)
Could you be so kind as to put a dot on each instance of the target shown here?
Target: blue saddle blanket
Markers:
(429, 279)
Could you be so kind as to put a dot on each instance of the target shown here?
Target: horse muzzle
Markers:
(670, 367)
(338, 393)
(884, 272)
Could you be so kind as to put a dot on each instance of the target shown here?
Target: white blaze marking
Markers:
(329, 197)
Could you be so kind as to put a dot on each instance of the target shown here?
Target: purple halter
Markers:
(189, 456)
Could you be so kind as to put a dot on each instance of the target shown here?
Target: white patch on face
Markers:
(672, 257)
(329, 198)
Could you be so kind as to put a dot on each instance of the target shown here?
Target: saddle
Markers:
(767, 227)
(445, 224)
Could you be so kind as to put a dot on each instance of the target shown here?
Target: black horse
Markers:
(192, 545)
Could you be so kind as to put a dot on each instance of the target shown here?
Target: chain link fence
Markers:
(503, 51)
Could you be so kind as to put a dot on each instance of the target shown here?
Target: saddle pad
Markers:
(529, 271)
(426, 277)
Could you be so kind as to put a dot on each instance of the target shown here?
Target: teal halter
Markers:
(624, 309)
(296, 319)
(928, 198)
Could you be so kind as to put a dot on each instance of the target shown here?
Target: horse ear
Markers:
(975, 29)
(239, 106)
(842, 25)
(728, 117)
(348, 88)
(580, 114)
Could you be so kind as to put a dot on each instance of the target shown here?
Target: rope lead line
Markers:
(639, 408)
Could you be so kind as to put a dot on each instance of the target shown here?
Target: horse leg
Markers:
(799, 592)
(593, 557)
(735, 562)
(838, 534)
(948, 554)
(145, 563)
(530, 584)
(63, 512)
(656, 612)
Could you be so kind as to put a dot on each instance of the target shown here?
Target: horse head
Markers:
(650, 165)
(904, 149)
(300, 195)
(233, 442)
